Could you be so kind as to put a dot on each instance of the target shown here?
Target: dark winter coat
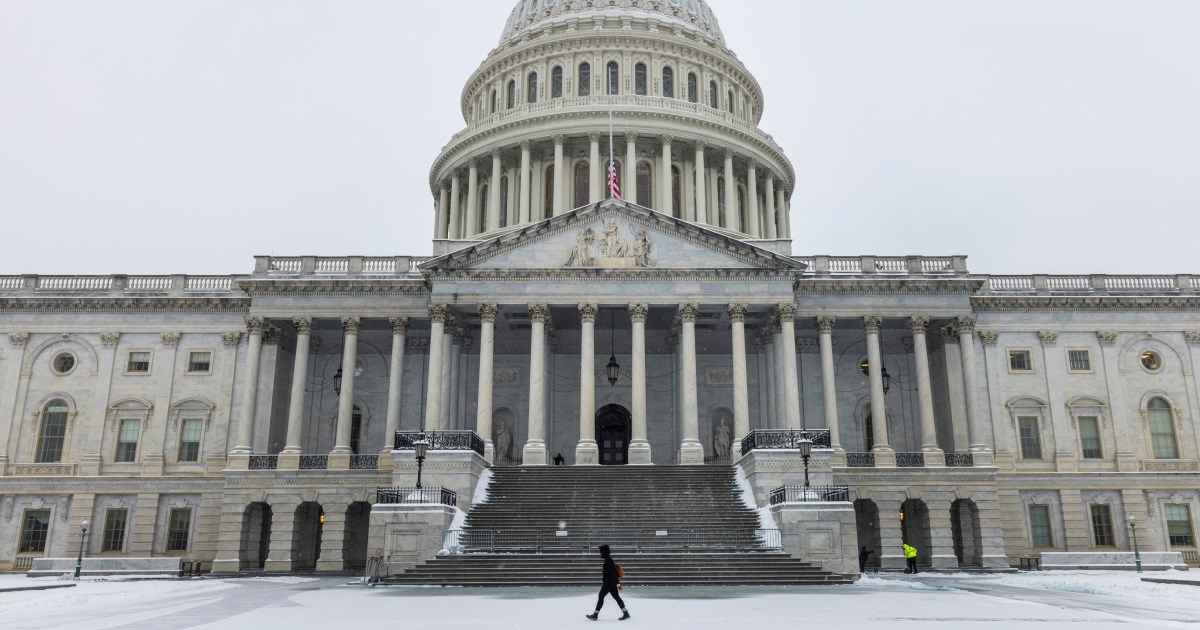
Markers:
(610, 568)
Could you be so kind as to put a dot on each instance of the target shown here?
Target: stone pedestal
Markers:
(935, 458)
(768, 469)
(885, 458)
(386, 463)
(639, 453)
(588, 454)
(407, 535)
(238, 461)
(691, 453)
(534, 454)
(822, 533)
(453, 470)
(288, 461)
(339, 460)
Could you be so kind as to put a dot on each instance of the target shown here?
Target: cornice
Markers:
(613, 275)
(844, 286)
(40, 304)
(335, 286)
(1088, 302)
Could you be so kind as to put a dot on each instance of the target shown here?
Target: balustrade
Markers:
(809, 494)
(784, 439)
(441, 440)
(404, 495)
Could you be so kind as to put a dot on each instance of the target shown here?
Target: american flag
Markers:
(614, 187)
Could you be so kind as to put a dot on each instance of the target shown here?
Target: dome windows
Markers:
(533, 88)
(691, 6)
(693, 88)
(583, 182)
(640, 80)
(729, 101)
(585, 79)
(614, 78)
(668, 82)
(511, 100)
(712, 95)
(495, 102)
(556, 82)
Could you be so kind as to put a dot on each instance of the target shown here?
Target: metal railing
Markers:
(960, 460)
(314, 462)
(441, 440)
(623, 539)
(414, 495)
(860, 460)
(264, 462)
(910, 460)
(784, 439)
(364, 462)
(809, 494)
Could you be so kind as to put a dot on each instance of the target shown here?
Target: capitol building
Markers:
(248, 422)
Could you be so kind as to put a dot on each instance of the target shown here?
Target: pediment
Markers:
(614, 235)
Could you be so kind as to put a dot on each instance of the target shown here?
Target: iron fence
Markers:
(441, 440)
(264, 462)
(314, 462)
(620, 539)
(809, 494)
(860, 460)
(364, 462)
(910, 460)
(960, 460)
(414, 495)
(784, 439)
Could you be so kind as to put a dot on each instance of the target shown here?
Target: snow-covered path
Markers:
(1099, 600)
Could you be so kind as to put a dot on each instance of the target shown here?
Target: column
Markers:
(778, 381)
(559, 176)
(587, 452)
(351, 326)
(781, 218)
(924, 389)
(772, 232)
(701, 209)
(534, 453)
(690, 449)
(487, 346)
(295, 420)
(741, 387)
(966, 345)
(255, 326)
(828, 379)
(629, 186)
(493, 215)
(526, 192)
(752, 200)
(595, 168)
(732, 220)
(14, 384)
(395, 381)
(449, 373)
(454, 231)
(639, 445)
(442, 227)
(472, 226)
(872, 324)
(791, 390)
(433, 390)
(668, 199)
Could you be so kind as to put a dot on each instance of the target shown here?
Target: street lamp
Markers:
(1137, 556)
(82, 540)
(337, 382)
(805, 445)
(420, 446)
(886, 378)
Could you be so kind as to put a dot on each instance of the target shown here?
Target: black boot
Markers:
(593, 616)
(624, 615)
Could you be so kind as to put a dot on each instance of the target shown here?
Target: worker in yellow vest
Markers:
(910, 557)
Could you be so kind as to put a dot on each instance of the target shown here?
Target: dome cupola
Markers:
(693, 15)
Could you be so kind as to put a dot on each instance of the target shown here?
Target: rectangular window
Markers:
(34, 531)
(1079, 361)
(1089, 436)
(139, 363)
(1179, 525)
(1031, 439)
(199, 362)
(189, 440)
(1019, 361)
(1039, 525)
(1162, 434)
(178, 529)
(114, 529)
(1102, 526)
(127, 441)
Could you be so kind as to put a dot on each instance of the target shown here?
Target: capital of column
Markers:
(989, 337)
(171, 339)
(1049, 337)
(631, 136)
(352, 324)
(594, 136)
(495, 154)
(700, 145)
(488, 312)
(752, 167)
(786, 312)
(399, 324)
(256, 325)
(666, 139)
(825, 324)
(1109, 337)
(587, 313)
(539, 313)
(737, 311)
(688, 312)
(304, 324)
(438, 313)
(638, 312)
(1192, 337)
(965, 324)
(109, 340)
(230, 339)
(525, 145)
(872, 324)
(918, 323)
(559, 139)
(729, 154)
(18, 340)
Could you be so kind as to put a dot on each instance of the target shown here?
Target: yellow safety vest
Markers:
(910, 551)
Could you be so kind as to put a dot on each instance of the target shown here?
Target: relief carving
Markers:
(612, 250)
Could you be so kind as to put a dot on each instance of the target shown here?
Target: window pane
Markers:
(1179, 524)
(127, 441)
(712, 95)
(1162, 432)
(639, 79)
(1018, 360)
(1031, 440)
(548, 202)
(34, 531)
(1079, 360)
(556, 82)
(114, 530)
(356, 419)
(200, 362)
(668, 83)
(178, 529)
(1102, 528)
(533, 89)
(189, 441)
(693, 94)
(585, 80)
(582, 184)
(614, 78)
(512, 95)
(1089, 437)
(504, 202)
(644, 184)
(1039, 525)
(53, 433)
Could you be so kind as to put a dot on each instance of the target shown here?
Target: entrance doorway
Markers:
(614, 427)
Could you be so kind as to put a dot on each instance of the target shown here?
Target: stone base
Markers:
(691, 453)
(339, 461)
(106, 566)
(386, 463)
(587, 453)
(639, 453)
(534, 454)
(454, 470)
(935, 458)
(884, 457)
(767, 469)
(822, 533)
(226, 566)
(1112, 560)
(237, 461)
(407, 535)
(288, 461)
(983, 457)
(489, 451)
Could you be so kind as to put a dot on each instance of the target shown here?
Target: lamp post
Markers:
(420, 447)
(82, 540)
(805, 445)
(1137, 556)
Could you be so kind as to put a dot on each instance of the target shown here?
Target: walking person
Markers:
(863, 555)
(611, 586)
(910, 557)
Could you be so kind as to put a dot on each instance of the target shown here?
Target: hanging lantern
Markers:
(613, 370)
(337, 382)
(887, 380)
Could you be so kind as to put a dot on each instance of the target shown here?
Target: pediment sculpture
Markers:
(611, 250)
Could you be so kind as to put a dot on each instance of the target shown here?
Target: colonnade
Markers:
(534, 181)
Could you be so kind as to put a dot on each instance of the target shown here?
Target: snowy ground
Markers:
(1046, 599)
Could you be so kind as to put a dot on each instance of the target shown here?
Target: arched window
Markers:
(584, 86)
(640, 80)
(548, 202)
(532, 91)
(614, 78)
(645, 183)
(583, 183)
(356, 426)
(693, 89)
(1162, 429)
(676, 192)
(729, 104)
(721, 201)
(504, 201)
(495, 102)
(483, 204)
(556, 82)
(712, 95)
(53, 433)
(668, 82)
(512, 95)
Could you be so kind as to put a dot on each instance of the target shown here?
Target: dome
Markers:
(694, 15)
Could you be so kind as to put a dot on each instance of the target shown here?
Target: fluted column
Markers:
(449, 361)
(433, 390)
(629, 185)
(395, 380)
(442, 226)
(781, 218)
(741, 386)
(525, 196)
(668, 199)
(595, 168)
(778, 379)
(639, 445)
(791, 400)
(493, 216)
(752, 201)
(872, 324)
(487, 347)
(472, 226)
(772, 230)
(701, 206)
(559, 175)
(534, 453)
(828, 380)
(587, 452)
(966, 345)
(691, 451)
(924, 389)
(454, 231)
(295, 421)
(255, 327)
(732, 218)
(350, 326)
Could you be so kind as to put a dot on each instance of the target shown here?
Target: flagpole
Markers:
(611, 155)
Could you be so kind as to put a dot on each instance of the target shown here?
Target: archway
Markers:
(964, 527)
(914, 529)
(256, 536)
(306, 536)
(614, 427)
(866, 518)
(354, 547)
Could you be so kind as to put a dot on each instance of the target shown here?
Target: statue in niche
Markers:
(503, 441)
(581, 255)
(722, 439)
(641, 248)
(613, 246)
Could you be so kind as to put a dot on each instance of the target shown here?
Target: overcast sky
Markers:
(186, 136)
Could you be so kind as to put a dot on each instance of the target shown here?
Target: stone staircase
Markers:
(666, 525)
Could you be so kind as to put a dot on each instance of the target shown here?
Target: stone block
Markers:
(822, 533)
(406, 535)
